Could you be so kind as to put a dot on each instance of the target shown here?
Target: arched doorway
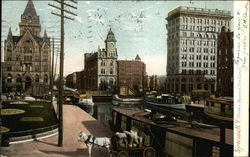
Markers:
(28, 82)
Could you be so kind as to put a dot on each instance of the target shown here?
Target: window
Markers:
(46, 78)
(111, 71)
(9, 68)
(111, 81)
(27, 58)
(45, 59)
(18, 79)
(18, 57)
(102, 63)
(102, 71)
(45, 68)
(9, 78)
(111, 63)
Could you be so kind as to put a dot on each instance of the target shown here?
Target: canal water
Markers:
(102, 111)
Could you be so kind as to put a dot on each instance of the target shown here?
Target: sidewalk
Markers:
(75, 120)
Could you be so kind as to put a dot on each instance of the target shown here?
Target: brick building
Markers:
(75, 80)
(225, 63)
(132, 73)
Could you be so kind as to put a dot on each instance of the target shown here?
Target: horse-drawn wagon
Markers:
(121, 144)
(129, 144)
(143, 151)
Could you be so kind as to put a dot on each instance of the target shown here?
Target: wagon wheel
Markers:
(114, 153)
(123, 154)
(149, 152)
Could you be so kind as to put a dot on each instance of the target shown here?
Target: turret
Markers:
(10, 37)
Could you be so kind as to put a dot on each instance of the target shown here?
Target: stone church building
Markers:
(27, 57)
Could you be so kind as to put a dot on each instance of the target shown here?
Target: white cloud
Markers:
(87, 2)
(79, 19)
(73, 62)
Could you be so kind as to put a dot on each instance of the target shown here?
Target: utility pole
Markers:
(61, 90)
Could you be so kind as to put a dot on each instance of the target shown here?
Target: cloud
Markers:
(79, 19)
(130, 28)
(73, 62)
(87, 2)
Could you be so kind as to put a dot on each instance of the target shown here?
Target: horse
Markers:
(126, 139)
(92, 141)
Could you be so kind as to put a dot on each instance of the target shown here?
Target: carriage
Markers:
(144, 151)
(115, 148)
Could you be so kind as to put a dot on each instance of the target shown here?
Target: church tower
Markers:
(30, 20)
(110, 43)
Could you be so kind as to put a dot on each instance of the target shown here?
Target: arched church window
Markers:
(18, 78)
(9, 78)
(111, 70)
(111, 63)
(111, 81)
(37, 78)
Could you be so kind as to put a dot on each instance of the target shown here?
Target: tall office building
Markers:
(192, 48)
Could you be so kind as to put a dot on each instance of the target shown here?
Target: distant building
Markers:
(27, 57)
(101, 67)
(225, 63)
(192, 48)
(154, 83)
(132, 73)
(75, 80)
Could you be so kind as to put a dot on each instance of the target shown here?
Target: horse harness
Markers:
(88, 139)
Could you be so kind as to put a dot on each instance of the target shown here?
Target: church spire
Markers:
(45, 34)
(29, 20)
(30, 9)
(9, 34)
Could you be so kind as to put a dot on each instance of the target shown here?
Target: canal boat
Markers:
(166, 101)
(86, 101)
(127, 99)
(174, 137)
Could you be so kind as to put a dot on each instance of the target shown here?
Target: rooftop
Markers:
(200, 12)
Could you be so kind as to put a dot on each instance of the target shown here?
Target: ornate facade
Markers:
(27, 57)
(101, 67)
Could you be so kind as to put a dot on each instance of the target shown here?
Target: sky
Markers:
(139, 28)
